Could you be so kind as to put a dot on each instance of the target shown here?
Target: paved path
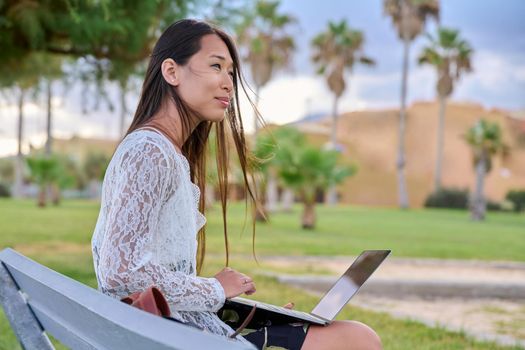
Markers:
(483, 299)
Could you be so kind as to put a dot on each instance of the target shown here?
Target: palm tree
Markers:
(267, 45)
(409, 17)
(269, 148)
(21, 76)
(94, 169)
(486, 141)
(50, 68)
(306, 169)
(450, 55)
(336, 50)
(45, 172)
(309, 172)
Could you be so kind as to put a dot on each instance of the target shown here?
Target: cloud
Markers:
(288, 98)
(497, 81)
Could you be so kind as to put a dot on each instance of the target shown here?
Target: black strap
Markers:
(244, 323)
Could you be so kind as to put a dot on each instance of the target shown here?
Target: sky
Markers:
(494, 28)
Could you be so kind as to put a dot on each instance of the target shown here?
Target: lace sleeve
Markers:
(126, 264)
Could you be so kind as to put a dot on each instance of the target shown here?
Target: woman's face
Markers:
(205, 83)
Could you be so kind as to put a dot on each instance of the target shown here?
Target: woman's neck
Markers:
(168, 121)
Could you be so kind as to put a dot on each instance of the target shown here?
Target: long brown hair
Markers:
(180, 41)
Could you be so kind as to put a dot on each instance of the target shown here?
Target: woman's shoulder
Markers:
(146, 145)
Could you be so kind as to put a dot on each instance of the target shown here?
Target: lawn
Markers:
(340, 231)
(59, 238)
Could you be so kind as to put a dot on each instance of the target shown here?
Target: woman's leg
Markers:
(351, 335)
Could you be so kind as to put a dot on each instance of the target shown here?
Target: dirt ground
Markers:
(502, 320)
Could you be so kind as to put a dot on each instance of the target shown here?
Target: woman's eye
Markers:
(231, 74)
(216, 65)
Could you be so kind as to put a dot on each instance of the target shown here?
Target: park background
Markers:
(71, 75)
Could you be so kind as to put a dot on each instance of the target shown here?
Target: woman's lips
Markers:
(225, 102)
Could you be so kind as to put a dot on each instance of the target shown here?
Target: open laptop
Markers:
(329, 305)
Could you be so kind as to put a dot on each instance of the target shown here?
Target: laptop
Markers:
(329, 305)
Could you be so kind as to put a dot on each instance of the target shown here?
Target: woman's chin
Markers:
(216, 117)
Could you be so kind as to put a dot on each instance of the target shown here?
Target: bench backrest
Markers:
(37, 299)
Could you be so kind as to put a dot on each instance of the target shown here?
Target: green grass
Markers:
(340, 231)
(59, 238)
(415, 233)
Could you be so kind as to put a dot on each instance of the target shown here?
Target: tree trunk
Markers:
(331, 193)
(440, 138)
(333, 135)
(287, 200)
(123, 108)
(55, 194)
(49, 139)
(271, 192)
(478, 204)
(95, 189)
(19, 165)
(42, 195)
(401, 160)
(308, 219)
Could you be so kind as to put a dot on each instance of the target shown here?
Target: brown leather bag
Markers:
(151, 300)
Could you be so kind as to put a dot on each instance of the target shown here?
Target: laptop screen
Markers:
(349, 283)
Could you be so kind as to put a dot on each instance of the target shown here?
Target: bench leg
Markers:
(22, 319)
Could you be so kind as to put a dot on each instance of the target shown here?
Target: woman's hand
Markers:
(235, 283)
(290, 305)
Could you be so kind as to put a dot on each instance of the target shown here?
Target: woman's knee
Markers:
(342, 335)
(361, 335)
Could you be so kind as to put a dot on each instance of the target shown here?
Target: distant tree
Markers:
(450, 55)
(265, 43)
(45, 172)
(310, 171)
(20, 76)
(95, 166)
(7, 171)
(486, 141)
(304, 168)
(336, 51)
(79, 28)
(409, 17)
(228, 14)
(269, 147)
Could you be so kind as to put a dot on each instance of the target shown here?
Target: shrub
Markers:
(448, 198)
(493, 206)
(517, 197)
(4, 190)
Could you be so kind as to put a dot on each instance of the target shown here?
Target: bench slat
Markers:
(83, 318)
(22, 320)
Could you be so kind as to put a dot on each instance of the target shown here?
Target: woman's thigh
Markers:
(350, 335)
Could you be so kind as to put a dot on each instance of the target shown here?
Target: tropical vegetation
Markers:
(409, 18)
(451, 56)
(486, 141)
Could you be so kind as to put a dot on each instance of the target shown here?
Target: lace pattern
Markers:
(146, 231)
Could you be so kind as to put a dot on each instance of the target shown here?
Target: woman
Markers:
(151, 209)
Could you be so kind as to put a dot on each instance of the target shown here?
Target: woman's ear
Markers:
(170, 71)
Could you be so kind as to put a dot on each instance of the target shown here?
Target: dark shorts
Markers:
(286, 336)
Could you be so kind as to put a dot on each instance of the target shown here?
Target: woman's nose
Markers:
(227, 83)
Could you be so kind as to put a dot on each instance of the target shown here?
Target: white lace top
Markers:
(146, 231)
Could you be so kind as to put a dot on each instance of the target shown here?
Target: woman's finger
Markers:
(245, 279)
(249, 288)
(290, 305)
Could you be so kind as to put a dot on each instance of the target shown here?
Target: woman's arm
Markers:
(126, 262)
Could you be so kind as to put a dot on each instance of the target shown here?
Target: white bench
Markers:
(38, 300)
